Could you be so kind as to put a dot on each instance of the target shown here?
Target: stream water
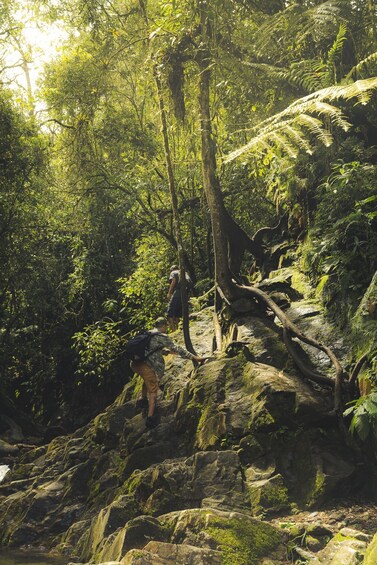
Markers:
(30, 558)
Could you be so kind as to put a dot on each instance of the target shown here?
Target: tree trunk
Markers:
(210, 180)
(176, 222)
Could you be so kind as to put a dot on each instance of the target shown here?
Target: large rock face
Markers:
(239, 440)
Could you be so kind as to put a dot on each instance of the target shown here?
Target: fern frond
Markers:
(280, 140)
(304, 21)
(318, 17)
(333, 113)
(258, 143)
(361, 89)
(315, 126)
(335, 53)
(298, 115)
(297, 137)
(276, 25)
(307, 74)
(362, 65)
(269, 70)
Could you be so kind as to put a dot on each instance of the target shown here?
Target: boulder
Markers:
(7, 449)
(241, 539)
(269, 495)
(371, 553)
(135, 534)
(159, 553)
(346, 548)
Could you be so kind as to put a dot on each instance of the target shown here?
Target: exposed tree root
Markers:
(290, 330)
(305, 370)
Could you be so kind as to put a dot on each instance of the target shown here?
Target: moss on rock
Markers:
(243, 542)
(269, 495)
(211, 428)
(371, 553)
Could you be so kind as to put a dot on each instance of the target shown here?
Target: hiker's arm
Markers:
(181, 351)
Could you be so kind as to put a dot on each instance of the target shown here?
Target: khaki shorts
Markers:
(147, 374)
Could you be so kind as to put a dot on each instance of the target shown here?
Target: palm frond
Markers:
(299, 116)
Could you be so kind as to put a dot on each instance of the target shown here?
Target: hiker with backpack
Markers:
(174, 311)
(150, 365)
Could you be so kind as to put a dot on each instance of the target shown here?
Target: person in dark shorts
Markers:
(153, 367)
(174, 311)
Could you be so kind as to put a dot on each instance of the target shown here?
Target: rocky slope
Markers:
(245, 454)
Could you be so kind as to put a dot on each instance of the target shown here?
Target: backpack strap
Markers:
(153, 350)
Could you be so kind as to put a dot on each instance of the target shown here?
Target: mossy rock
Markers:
(187, 414)
(161, 502)
(108, 426)
(314, 464)
(269, 495)
(135, 535)
(371, 553)
(211, 428)
(111, 518)
(241, 539)
(69, 544)
(249, 450)
(346, 548)
(242, 542)
(262, 342)
(182, 554)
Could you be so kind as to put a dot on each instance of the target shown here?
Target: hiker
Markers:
(152, 368)
(174, 311)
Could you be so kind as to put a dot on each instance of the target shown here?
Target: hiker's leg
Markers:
(151, 403)
(171, 323)
(144, 390)
(174, 310)
(151, 384)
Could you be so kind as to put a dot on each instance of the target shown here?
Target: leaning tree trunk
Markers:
(229, 239)
(176, 221)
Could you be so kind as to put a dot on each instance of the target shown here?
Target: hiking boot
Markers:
(150, 422)
(142, 404)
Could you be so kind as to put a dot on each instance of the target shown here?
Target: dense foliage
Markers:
(86, 217)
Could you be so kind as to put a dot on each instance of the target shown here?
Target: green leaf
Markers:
(362, 426)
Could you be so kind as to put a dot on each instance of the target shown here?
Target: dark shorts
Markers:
(175, 305)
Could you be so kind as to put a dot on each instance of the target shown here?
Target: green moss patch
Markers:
(371, 553)
(243, 542)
